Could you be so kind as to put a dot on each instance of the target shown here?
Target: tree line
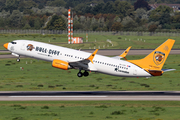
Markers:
(96, 15)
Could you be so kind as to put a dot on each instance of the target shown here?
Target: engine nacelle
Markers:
(60, 64)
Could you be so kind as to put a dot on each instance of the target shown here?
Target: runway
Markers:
(91, 96)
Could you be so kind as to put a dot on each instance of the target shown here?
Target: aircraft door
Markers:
(135, 71)
(23, 46)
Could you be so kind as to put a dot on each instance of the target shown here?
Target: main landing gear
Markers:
(80, 74)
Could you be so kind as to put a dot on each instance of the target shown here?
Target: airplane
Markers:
(66, 58)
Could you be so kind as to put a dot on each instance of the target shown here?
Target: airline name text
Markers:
(50, 51)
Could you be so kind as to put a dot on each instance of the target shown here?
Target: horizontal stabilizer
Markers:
(166, 70)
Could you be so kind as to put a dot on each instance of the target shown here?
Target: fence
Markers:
(125, 33)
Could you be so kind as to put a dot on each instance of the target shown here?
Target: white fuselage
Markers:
(102, 64)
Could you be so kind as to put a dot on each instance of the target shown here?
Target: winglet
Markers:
(92, 56)
(125, 52)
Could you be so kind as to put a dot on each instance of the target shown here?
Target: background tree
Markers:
(109, 7)
(152, 28)
(141, 4)
(2, 5)
(94, 24)
(122, 7)
(81, 9)
(56, 23)
(87, 24)
(15, 18)
(77, 26)
(27, 26)
(82, 19)
(117, 19)
(24, 5)
(117, 26)
(12, 4)
(98, 8)
(56, 3)
(37, 23)
(140, 13)
(70, 4)
(2, 22)
(161, 14)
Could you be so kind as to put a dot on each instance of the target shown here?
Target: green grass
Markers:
(89, 110)
(5, 53)
(95, 41)
(39, 75)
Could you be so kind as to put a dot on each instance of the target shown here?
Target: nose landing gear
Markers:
(18, 60)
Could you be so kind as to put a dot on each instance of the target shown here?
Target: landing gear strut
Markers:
(80, 74)
(18, 60)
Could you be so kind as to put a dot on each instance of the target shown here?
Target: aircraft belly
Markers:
(113, 71)
(131, 72)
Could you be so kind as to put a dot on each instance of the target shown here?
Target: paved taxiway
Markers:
(91, 95)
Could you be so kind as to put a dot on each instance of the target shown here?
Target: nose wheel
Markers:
(18, 60)
(80, 74)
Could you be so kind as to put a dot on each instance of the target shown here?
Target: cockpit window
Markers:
(13, 42)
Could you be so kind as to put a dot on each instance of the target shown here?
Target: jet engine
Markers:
(60, 64)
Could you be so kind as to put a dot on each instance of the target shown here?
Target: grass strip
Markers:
(37, 75)
(80, 110)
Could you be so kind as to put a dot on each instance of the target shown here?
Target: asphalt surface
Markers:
(89, 95)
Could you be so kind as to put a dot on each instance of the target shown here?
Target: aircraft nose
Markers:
(6, 45)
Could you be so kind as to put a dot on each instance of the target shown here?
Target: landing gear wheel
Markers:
(86, 74)
(80, 74)
(18, 60)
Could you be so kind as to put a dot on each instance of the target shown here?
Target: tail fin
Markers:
(156, 59)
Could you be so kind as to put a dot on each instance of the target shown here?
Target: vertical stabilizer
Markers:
(156, 59)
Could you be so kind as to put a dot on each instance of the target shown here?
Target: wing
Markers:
(125, 52)
(84, 64)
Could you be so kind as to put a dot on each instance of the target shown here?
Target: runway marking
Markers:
(60, 96)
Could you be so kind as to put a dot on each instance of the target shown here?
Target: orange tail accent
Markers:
(156, 59)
